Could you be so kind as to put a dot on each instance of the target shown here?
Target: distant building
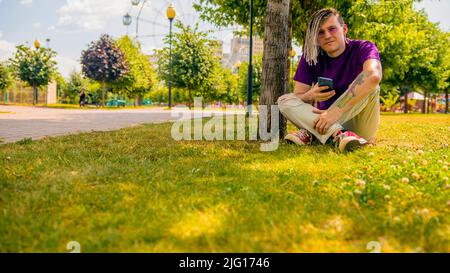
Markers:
(240, 50)
(153, 60)
(218, 49)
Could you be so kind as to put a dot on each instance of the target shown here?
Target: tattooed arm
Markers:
(360, 88)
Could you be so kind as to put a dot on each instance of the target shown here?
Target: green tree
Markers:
(256, 75)
(193, 61)
(412, 49)
(75, 84)
(6, 79)
(34, 66)
(223, 87)
(104, 62)
(139, 79)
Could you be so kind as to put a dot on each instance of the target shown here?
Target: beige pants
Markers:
(363, 118)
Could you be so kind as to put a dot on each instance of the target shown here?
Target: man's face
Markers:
(331, 36)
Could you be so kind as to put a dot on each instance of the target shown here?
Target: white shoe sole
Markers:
(350, 144)
(293, 139)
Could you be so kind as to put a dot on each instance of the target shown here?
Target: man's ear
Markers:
(344, 26)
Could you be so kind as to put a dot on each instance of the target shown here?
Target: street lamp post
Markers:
(170, 15)
(250, 66)
(238, 66)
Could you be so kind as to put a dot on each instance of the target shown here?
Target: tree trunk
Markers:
(446, 100)
(35, 94)
(139, 100)
(275, 76)
(190, 100)
(103, 94)
(424, 106)
(406, 99)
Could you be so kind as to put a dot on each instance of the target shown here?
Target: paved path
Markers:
(36, 122)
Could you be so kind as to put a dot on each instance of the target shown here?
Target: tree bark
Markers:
(103, 94)
(446, 100)
(424, 106)
(275, 76)
(35, 94)
(405, 92)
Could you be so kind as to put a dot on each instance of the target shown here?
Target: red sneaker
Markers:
(301, 137)
(348, 141)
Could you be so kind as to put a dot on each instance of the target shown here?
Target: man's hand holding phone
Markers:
(316, 93)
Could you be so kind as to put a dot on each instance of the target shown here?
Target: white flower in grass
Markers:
(405, 180)
(424, 163)
(415, 176)
(445, 178)
(357, 192)
(440, 161)
(420, 152)
(371, 154)
(445, 167)
(360, 183)
(387, 187)
(387, 197)
(409, 157)
(424, 211)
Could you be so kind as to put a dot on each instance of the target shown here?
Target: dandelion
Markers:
(405, 180)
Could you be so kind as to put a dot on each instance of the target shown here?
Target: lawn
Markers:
(138, 190)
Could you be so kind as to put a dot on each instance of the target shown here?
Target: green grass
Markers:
(137, 190)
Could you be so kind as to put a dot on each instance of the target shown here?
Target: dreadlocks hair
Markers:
(311, 46)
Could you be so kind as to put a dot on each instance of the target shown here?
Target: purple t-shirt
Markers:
(343, 69)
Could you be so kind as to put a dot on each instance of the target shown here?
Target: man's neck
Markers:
(337, 53)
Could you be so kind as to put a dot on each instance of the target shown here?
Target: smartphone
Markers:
(325, 82)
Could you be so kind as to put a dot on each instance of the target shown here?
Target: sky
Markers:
(72, 24)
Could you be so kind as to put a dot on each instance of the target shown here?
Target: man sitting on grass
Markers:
(351, 112)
